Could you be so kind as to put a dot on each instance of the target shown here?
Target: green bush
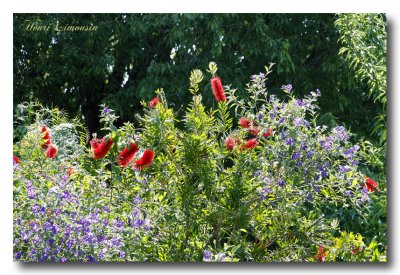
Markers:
(276, 188)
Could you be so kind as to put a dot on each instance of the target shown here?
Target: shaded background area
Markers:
(131, 55)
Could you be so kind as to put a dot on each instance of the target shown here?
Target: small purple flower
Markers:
(30, 189)
(118, 223)
(340, 133)
(344, 169)
(309, 197)
(287, 88)
(281, 120)
(281, 182)
(47, 226)
(105, 222)
(66, 196)
(64, 180)
(91, 258)
(102, 253)
(260, 116)
(136, 212)
(318, 92)
(106, 110)
(116, 242)
(272, 115)
(297, 121)
(106, 209)
(310, 154)
(296, 155)
(137, 200)
(63, 259)
(324, 173)
(256, 77)
(147, 224)
(122, 254)
(364, 190)
(300, 102)
(17, 255)
(57, 212)
(349, 193)
(35, 226)
(327, 144)
(220, 257)
(365, 195)
(263, 192)
(348, 153)
(289, 141)
(138, 223)
(207, 255)
(69, 244)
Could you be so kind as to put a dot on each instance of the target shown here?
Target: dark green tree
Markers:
(131, 55)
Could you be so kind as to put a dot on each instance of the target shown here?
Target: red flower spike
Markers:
(268, 133)
(251, 143)
(126, 156)
(146, 159)
(51, 151)
(217, 88)
(320, 254)
(16, 159)
(255, 131)
(245, 123)
(101, 147)
(371, 185)
(45, 137)
(153, 102)
(230, 143)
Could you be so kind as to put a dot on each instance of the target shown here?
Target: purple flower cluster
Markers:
(62, 228)
(312, 155)
(30, 190)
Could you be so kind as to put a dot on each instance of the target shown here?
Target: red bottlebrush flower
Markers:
(15, 159)
(126, 156)
(45, 137)
(268, 133)
(230, 143)
(51, 151)
(153, 102)
(255, 131)
(146, 159)
(371, 185)
(320, 254)
(217, 88)
(245, 123)
(251, 143)
(101, 147)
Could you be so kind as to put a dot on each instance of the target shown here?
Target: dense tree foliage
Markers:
(364, 46)
(131, 55)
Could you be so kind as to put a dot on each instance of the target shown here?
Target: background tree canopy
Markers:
(131, 55)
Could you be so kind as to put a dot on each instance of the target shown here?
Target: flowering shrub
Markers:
(273, 186)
